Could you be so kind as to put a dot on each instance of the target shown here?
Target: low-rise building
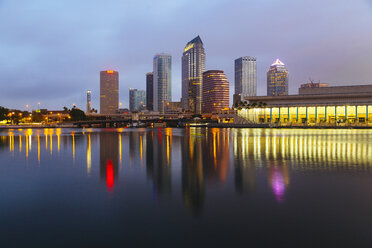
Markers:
(314, 105)
(173, 108)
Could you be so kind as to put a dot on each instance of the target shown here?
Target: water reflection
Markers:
(109, 158)
(193, 185)
(194, 162)
(278, 178)
(158, 166)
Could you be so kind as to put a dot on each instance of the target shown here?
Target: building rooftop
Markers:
(196, 40)
(191, 43)
(277, 62)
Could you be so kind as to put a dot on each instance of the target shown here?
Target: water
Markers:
(185, 188)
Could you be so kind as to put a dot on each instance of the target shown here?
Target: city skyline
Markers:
(309, 49)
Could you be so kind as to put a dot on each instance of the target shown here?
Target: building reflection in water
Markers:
(109, 156)
(245, 167)
(193, 185)
(205, 159)
(265, 154)
(158, 163)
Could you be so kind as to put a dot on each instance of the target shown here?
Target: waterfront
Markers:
(185, 187)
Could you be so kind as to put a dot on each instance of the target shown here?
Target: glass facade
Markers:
(137, 100)
(246, 76)
(215, 91)
(277, 79)
(109, 92)
(193, 66)
(162, 91)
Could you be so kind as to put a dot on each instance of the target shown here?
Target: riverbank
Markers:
(208, 125)
(36, 126)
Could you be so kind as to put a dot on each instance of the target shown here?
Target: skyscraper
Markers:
(109, 92)
(162, 81)
(215, 91)
(246, 77)
(89, 101)
(150, 91)
(193, 66)
(277, 79)
(137, 100)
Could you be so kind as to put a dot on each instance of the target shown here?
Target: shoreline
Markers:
(221, 125)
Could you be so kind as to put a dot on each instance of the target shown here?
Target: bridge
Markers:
(157, 119)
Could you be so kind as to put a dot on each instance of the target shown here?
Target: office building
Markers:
(109, 92)
(215, 91)
(162, 92)
(277, 79)
(150, 91)
(193, 66)
(89, 101)
(246, 76)
(137, 100)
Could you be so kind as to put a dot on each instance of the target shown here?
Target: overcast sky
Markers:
(51, 51)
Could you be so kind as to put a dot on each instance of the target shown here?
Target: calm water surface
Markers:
(185, 188)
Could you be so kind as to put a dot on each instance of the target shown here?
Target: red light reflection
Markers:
(110, 175)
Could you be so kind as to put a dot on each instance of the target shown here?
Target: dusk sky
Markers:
(52, 51)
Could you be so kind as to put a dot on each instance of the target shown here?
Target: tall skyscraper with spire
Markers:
(193, 66)
(246, 76)
(162, 81)
(277, 79)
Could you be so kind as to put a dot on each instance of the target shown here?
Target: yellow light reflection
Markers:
(58, 133)
(20, 143)
(11, 140)
(26, 149)
(51, 132)
(38, 149)
(120, 151)
(46, 139)
(89, 155)
(167, 150)
(73, 146)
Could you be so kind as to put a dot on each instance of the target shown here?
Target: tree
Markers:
(3, 113)
(77, 114)
(37, 117)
